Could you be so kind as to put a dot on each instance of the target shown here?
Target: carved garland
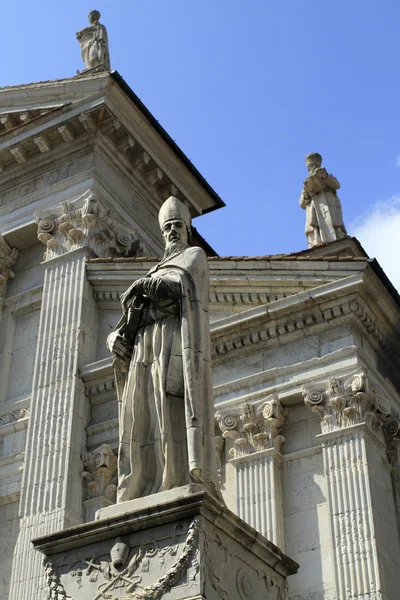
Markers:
(176, 572)
(56, 590)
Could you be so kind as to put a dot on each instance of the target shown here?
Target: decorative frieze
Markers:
(100, 473)
(84, 223)
(254, 429)
(263, 332)
(8, 256)
(244, 297)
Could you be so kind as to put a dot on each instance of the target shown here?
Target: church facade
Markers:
(305, 350)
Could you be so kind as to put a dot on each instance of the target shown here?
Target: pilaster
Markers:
(256, 442)
(365, 543)
(51, 494)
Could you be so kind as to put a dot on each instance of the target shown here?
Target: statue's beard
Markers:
(174, 248)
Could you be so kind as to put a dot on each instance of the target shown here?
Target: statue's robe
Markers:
(166, 404)
(324, 219)
(94, 46)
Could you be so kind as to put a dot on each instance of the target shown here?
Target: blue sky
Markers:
(247, 89)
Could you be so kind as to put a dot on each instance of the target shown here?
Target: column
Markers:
(365, 543)
(257, 460)
(8, 256)
(51, 494)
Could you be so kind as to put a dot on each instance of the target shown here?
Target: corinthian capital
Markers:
(254, 427)
(8, 256)
(84, 223)
(341, 403)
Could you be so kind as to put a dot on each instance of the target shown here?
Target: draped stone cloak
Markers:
(189, 270)
(94, 46)
(324, 219)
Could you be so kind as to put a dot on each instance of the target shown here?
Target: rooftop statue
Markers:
(94, 43)
(324, 220)
(161, 349)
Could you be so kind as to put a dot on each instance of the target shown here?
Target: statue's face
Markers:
(175, 231)
(312, 166)
(94, 16)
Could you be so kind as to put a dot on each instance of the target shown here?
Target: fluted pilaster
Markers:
(256, 441)
(365, 543)
(51, 495)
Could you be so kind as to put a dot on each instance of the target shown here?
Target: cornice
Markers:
(288, 319)
(92, 120)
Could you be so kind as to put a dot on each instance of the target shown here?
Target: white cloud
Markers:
(378, 231)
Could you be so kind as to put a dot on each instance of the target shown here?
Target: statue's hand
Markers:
(119, 347)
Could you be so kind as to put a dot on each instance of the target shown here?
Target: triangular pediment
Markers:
(40, 97)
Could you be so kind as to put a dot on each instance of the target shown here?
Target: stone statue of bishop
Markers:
(94, 43)
(324, 220)
(161, 348)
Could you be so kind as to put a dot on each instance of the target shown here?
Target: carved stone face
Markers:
(312, 166)
(94, 16)
(175, 231)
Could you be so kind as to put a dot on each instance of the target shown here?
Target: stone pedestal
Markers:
(181, 544)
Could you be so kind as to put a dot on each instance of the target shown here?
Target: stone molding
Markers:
(14, 416)
(263, 333)
(342, 403)
(107, 385)
(245, 297)
(49, 130)
(254, 429)
(84, 223)
(100, 473)
(8, 256)
(218, 298)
